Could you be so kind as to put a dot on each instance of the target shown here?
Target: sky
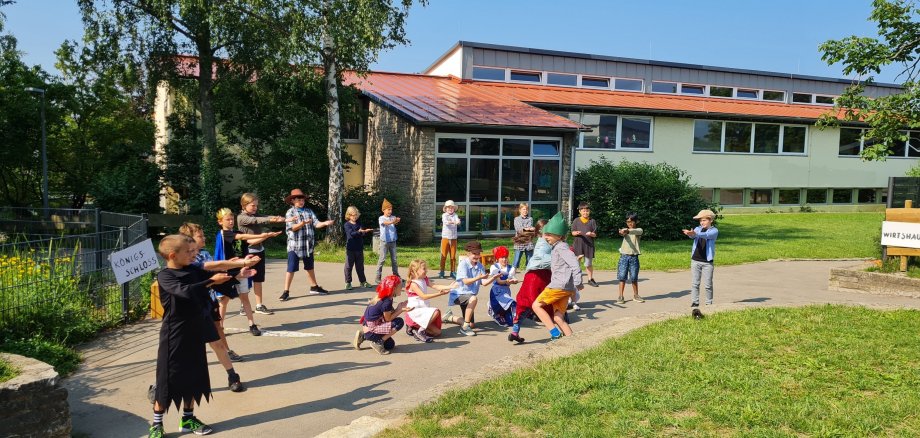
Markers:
(777, 35)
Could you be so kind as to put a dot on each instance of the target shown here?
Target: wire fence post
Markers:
(98, 250)
(126, 287)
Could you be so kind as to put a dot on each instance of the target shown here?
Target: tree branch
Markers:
(171, 20)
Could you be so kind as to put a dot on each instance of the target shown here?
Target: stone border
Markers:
(857, 279)
(33, 404)
(396, 414)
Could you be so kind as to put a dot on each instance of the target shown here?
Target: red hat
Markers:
(499, 252)
(387, 286)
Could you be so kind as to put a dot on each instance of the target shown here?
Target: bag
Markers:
(523, 238)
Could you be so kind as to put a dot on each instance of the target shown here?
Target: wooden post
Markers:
(907, 204)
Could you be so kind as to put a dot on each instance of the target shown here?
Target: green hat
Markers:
(556, 226)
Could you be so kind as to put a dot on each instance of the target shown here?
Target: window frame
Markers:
(862, 144)
(540, 74)
(581, 82)
(504, 70)
(782, 132)
(619, 133)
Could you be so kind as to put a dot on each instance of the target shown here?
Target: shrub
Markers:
(368, 203)
(64, 360)
(661, 194)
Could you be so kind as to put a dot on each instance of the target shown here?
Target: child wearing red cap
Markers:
(501, 303)
(380, 321)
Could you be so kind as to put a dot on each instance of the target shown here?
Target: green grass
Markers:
(893, 264)
(742, 239)
(7, 371)
(814, 371)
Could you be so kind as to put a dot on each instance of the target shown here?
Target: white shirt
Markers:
(449, 225)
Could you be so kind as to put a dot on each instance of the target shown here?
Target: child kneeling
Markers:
(380, 321)
(565, 280)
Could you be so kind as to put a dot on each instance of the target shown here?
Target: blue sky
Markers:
(779, 35)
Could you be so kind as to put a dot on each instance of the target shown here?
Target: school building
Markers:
(491, 126)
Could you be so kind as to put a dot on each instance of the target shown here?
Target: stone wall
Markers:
(33, 404)
(569, 143)
(401, 155)
(857, 280)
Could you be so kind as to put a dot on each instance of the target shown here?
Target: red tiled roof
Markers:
(441, 100)
(541, 94)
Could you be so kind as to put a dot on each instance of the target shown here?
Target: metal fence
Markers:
(48, 266)
(901, 189)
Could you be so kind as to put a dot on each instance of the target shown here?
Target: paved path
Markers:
(303, 386)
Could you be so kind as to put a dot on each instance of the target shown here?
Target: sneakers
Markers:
(366, 285)
(638, 299)
(419, 335)
(447, 317)
(156, 431)
(317, 290)
(692, 305)
(593, 283)
(234, 383)
(514, 337)
(453, 275)
(575, 307)
(379, 348)
(194, 425)
(285, 296)
(441, 275)
(242, 310)
(621, 300)
(348, 286)
(359, 339)
(263, 310)
(234, 357)
(467, 330)
(254, 329)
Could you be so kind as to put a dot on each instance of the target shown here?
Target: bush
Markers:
(661, 194)
(64, 360)
(368, 203)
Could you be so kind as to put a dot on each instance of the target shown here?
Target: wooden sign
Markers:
(906, 216)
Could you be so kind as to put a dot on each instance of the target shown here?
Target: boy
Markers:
(585, 230)
(300, 225)
(470, 275)
(628, 266)
(387, 238)
(702, 256)
(182, 362)
(250, 222)
(565, 280)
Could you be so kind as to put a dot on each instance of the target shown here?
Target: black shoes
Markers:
(514, 337)
(284, 296)
(254, 329)
(318, 290)
(234, 383)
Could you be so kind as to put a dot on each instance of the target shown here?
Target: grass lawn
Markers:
(742, 239)
(7, 371)
(813, 371)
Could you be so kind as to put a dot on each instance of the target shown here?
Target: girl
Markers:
(354, 247)
(423, 322)
(629, 257)
(535, 280)
(449, 222)
(501, 305)
(380, 321)
(523, 235)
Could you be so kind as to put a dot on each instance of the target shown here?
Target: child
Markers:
(380, 320)
(387, 238)
(629, 257)
(535, 280)
(182, 362)
(250, 222)
(702, 255)
(300, 224)
(449, 222)
(423, 322)
(354, 246)
(565, 280)
(585, 230)
(501, 304)
(470, 275)
(523, 236)
(225, 248)
(205, 261)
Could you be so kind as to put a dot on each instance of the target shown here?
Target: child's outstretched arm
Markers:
(441, 290)
(262, 237)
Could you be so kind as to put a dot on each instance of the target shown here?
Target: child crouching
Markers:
(380, 321)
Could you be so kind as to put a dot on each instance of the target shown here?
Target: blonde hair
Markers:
(523, 205)
(223, 212)
(190, 229)
(415, 266)
(352, 210)
(172, 243)
(247, 198)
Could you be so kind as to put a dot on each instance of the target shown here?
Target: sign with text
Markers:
(134, 261)
(902, 234)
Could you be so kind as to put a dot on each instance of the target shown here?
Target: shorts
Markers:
(292, 262)
(259, 276)
(215, 311)
(558, 299)
(228, 289)
(463, 299)
(588, 261)
(628, 268)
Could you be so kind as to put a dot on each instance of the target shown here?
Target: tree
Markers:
(899, 44)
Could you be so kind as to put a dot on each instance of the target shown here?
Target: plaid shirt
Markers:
(300, 241)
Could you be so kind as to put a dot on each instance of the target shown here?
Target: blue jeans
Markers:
(628, 267)
(517, 257)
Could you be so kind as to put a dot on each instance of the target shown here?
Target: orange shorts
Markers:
(557, 298)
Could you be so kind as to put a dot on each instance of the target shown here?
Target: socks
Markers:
(230, 372)
(186, 414)
(516, 328)
(157, 418)
(555, 332)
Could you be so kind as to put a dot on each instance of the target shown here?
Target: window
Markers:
(824, 100)
(747, 94)
(546, 148)
(483, 179)
(816, 196)
(515, 176)
(483, 218)
(707, 136)
(850, 141)
(766, 138)
(692, 89)
(451, 179)
(616, 132)
(776, 96)
(352, 132)
(737, 137)
(516, 147)
(603, 131)
(525, 76)
(562, 79)
(636, 133)
(595, 82)
(721, 91)
(794, 139)
(842, 196)
(545, 180)
(731, 196)
(866, 196)
(760, 196)
(627, 84)
(801, 98)
(484, 146)
(664, 87)
(913, 145)
(451, 145)
(789, 196)
(489, 74)
(707, 194)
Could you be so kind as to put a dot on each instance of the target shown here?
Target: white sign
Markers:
(901, 234)
(134, 261)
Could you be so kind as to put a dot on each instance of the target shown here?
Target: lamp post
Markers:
(44, 149)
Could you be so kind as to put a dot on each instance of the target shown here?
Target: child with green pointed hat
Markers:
(551, 304)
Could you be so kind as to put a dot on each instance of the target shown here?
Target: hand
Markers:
(291, 219)
(247, 272)
(580, 287)
(576, 233)
(329, 222)
(591, 234)
(408, 309)
(220, 278)
(252, 260)
(278, 219)
(306, 221)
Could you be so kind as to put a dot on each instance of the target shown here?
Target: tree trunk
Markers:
(335, 234)
(209, 192)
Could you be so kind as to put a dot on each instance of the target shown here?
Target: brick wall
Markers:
(33, 404)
